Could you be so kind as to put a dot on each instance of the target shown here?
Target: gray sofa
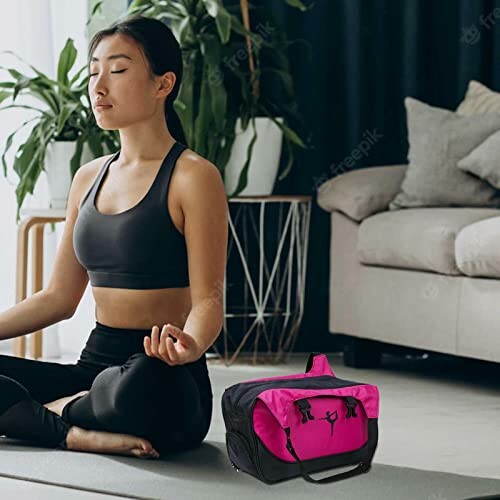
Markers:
(425, 278)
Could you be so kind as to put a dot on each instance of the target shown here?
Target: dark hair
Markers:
(162, 52)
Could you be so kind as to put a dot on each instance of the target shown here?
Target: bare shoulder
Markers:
(91, 168)
(86, 175)
(194, 173)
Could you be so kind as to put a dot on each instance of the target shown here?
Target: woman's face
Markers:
(119, 77)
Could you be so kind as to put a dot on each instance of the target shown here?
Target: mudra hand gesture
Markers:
(185, 350)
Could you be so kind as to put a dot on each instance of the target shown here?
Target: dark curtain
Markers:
(365, 57)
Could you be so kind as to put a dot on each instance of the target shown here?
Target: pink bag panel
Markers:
(319, 367)
(330, 432)
(279, 400)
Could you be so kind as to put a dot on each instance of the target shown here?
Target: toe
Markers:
(145, 445)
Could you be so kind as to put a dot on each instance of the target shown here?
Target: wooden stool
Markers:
(36, 219)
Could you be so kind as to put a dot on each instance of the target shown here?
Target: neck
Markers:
(143, 142)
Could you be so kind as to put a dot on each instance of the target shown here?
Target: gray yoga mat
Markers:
(207, 473)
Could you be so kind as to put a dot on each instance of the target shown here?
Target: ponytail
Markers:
(173, 121)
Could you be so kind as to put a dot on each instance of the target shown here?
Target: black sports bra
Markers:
(137, 248)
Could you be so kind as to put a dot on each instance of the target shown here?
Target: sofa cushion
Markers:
(484, 161)
(438, 139)
(362, 192)
(479, 99)
(416, 238)
(477, 248)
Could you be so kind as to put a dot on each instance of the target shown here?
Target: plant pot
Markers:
(265, 159)
(57, 168)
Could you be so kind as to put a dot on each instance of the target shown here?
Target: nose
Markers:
(97, 85)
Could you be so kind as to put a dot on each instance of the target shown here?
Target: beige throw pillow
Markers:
(484, 161)
(479, 99)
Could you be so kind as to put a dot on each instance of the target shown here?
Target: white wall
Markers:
(37, 31)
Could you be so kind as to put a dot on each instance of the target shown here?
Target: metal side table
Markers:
(264, 283)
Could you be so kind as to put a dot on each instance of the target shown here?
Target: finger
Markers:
(147, 346)
(154, 340)
(162, 350)
(163, 336)
(172, 353)
(177, 333)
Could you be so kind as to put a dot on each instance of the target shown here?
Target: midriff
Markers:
(142, 309)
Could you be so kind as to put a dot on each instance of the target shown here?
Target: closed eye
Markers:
(121, 71)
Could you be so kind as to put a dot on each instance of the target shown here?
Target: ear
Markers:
(166, 83)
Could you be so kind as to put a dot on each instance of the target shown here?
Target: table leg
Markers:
(21, 278)
(37, 283)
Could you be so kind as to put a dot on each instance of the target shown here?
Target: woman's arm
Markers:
(205, 207)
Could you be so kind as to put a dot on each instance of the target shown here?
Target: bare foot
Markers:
(109, 442)
(58, 405)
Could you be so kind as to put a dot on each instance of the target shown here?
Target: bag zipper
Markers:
(293, 382)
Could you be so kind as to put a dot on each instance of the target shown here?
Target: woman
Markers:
(152, 239)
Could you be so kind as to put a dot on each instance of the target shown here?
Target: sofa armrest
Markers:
(362, 192)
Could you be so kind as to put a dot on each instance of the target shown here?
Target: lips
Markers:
(102, 106)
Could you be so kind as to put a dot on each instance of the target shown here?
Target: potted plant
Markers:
(219, 97)
(64, 132)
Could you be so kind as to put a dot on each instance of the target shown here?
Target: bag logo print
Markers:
(305, 409)
(329, 414)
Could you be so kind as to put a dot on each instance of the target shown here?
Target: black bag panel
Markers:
(240, 452)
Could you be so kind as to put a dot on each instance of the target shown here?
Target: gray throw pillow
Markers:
(438, 139)
(484, 161)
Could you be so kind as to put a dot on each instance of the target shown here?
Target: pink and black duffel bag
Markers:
(282, 427)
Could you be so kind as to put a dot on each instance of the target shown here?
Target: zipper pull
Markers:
(351, 406)
(305, 409)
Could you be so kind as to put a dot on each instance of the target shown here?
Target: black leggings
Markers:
(129, 392)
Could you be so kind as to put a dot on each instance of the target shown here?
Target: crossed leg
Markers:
(26, 384)
(144, 397)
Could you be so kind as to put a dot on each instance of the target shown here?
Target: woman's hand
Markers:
(185, 350)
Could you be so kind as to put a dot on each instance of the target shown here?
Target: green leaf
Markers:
(210, 49)
(296, 3)
(66, 61)
(22, 106)
(8, 143)
(50, 82)
(292, 135)
(202, 120)
(64, 115)
(222, 17)
(94, 142)
(243, 177)
(184, 104)
(75, 78)
(214, 75)
(185, 31)
(74, 163)
(289, 164)
(4, 95)
(135, 4)
(224, 151)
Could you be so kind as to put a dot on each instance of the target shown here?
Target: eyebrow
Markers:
(113, 56)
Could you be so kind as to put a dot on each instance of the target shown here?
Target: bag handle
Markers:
(317, 364)
(359, 469)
